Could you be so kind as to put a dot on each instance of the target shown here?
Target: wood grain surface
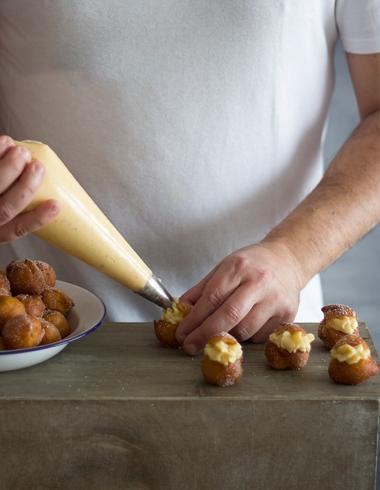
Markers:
(116, 410)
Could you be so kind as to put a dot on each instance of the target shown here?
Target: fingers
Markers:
(258, 329)
(248, 294)
(21, 192)
(260, 321)
(270, 326)
(213, 315)
(265, 316)
(26, 223)
(6, 143)
(228, 318)
(207, 296)
(20, 179)
(13, 163)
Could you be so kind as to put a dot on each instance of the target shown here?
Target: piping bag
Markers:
(83, 231)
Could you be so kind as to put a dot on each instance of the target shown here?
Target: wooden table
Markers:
(115, 410)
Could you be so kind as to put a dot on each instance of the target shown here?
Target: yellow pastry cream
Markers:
(350, 353)
(223, 350)
(292, 341)
(343, 324)
(174, 314)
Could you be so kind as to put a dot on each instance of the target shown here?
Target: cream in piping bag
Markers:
(83, 231)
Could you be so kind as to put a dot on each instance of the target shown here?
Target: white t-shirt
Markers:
(195, 126)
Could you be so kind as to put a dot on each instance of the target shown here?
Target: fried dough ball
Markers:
(51, 332)
(25, 277)
(5, 286)
(165, 328)
(22, 332)
(165, 332)
(9, 307)
(33, 304)
(48, 272)
(351, 361)
(288, 347)
(59, 321)
(2, 345)
(222, 363)
(55, 299)
(338, 321)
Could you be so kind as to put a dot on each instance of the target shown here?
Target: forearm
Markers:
(341, 209)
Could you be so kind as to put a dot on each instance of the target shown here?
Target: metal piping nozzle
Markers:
(154, 291)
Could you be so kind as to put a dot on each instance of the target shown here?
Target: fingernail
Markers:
(24, 152)
(55, 210)
(191, 349)
(39, 170)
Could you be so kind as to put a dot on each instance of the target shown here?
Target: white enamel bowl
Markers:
(87, 315)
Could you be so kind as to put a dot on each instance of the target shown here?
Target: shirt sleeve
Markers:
(358, 23)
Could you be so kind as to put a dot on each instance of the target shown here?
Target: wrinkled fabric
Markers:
(195, 126)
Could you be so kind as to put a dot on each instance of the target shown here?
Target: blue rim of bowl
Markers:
(64, 341)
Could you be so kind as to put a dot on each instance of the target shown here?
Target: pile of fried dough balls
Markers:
(32, 310)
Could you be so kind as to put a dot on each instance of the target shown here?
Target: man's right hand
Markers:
(20, 179)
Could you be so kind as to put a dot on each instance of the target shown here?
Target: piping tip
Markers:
(155, 292)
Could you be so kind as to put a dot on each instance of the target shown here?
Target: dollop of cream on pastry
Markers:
(343, 324)
(350, 353)
(174, 314)
(292, 341)
(223, 352)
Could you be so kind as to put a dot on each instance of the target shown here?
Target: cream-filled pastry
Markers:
(351, 361)
(165, 328)
(338, 321)
(222, 361)
(288, 347)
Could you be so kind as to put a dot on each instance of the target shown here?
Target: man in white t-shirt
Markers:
(197, 129)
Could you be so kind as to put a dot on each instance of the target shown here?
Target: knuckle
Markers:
(213, 299)
(287, 304)
(263, 276)
(7, 212)
(16, 159)
(242, 333)
(19, 231)
(240, 262)
(233, 312)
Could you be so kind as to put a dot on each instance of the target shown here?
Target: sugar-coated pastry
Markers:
(165, 328)
(48, 272)
(9, 307)
(22, 332)
(59, 321)
(5, 286)
(351, 361)
(338, 321)
(55, 299)
(51, 332)
(33, 304)
(37, 308)
(288, 347)
(222, 363)
(25, 277)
